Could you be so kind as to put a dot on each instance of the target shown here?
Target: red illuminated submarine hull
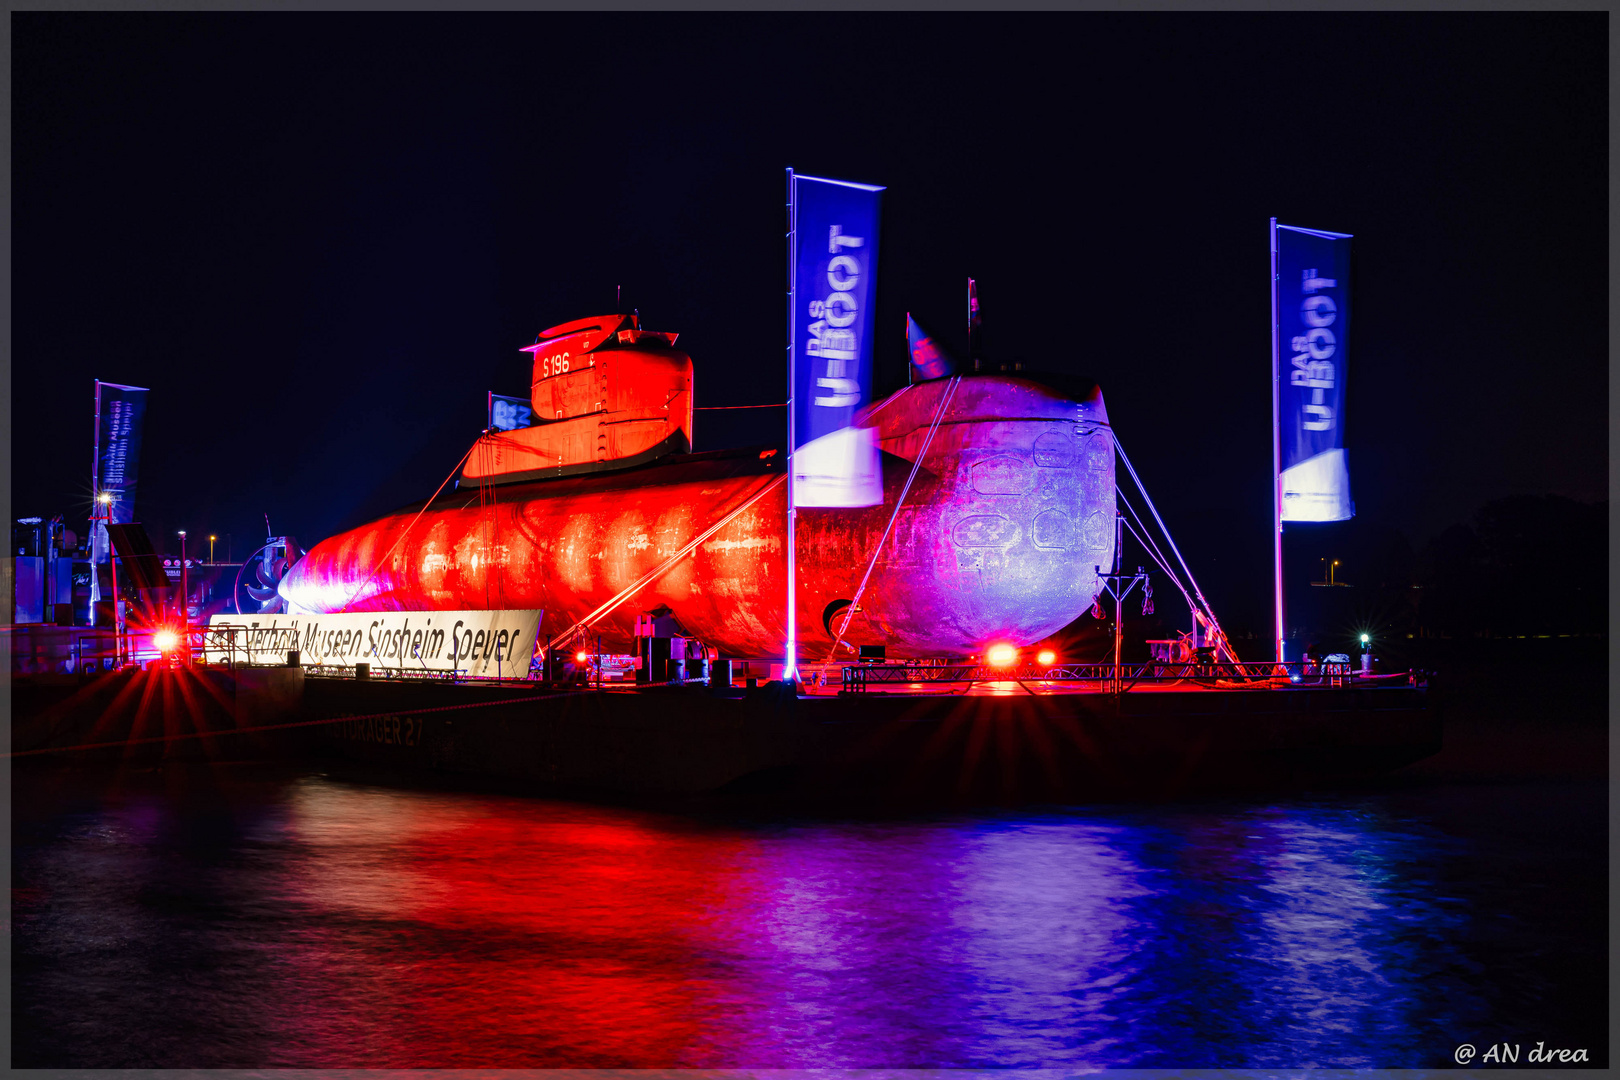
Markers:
(998, 540)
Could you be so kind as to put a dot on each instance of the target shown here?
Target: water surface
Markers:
(242, 916)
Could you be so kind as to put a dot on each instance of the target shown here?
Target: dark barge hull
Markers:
(673, 741)
(683, 741)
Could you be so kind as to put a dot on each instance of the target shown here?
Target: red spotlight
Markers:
(1000, 655)
(582, 656)
(1046, 658)
(166, 641)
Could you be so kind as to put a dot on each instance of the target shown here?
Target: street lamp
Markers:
(105, 499)
(211, 540)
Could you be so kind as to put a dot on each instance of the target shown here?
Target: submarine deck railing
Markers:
(225, 645)
(1109, 678)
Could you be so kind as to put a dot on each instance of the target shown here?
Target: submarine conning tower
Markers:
(606, 395)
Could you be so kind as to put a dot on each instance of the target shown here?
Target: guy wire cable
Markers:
(1158, 557)
(939, 415)
(365, 580)
(1159, 561)
(377, 566)
(1152, 548)
(1146, 537)
(1172, 540)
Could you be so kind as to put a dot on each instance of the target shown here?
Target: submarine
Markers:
(600, 512)
(998, 507)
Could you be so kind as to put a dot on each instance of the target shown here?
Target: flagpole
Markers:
(790, 656)
(1276, 456)
(95, 492)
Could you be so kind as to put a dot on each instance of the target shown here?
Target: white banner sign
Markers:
(477, 643)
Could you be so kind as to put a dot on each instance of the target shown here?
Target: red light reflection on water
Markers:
(501, 938)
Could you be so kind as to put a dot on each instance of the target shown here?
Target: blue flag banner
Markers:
(509, 413)
(120, 415)
(1312, 298)
(928, 359)
(833, 260)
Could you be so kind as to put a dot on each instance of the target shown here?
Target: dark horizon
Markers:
(320, 243)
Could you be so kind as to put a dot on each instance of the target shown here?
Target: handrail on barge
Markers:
(1121, 678)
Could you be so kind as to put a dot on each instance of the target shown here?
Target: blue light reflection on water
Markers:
(1271, 937)
(320, 924)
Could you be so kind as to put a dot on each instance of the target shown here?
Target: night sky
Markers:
(321, 240)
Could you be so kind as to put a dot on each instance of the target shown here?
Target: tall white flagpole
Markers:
(1276, 456)
(95, 503)
(790, 672)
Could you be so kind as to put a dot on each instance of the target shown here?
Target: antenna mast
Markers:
(974, 327)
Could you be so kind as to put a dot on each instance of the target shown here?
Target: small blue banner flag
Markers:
(1312, 302)
(833, 260)
(509, 413)
(928, 359)
(120, 418)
